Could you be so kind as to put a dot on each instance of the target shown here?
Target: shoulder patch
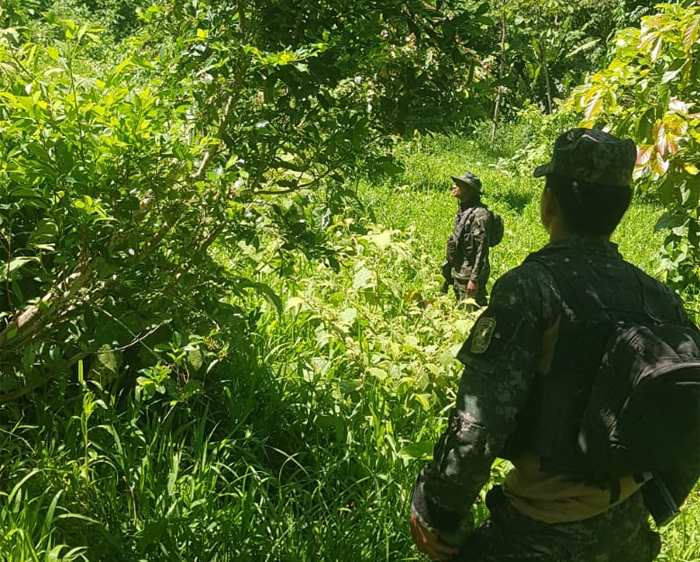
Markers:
(482, 334)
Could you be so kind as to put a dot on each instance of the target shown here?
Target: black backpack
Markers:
(638, 415)
(495, 226)
(643, 413)
(496, 229)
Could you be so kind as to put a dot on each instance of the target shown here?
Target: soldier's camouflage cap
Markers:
(468, 179)
(593, 156)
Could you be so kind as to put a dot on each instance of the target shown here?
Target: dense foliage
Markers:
(649, 92)
(116, 185)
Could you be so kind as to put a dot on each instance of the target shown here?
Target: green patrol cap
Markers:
(468, 179)
(592, 156)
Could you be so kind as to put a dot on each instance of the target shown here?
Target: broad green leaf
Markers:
(45, 232)
(264, 289)
(348, 315)
(422, 400)
(9, 97)
(349, 386)
(379, 374)
(24, 192)
(64, 158)
(381, 240)
(411, 340)
(434, 369)
(363, 278)
(39, 152)
(422, 450)
(7, 269)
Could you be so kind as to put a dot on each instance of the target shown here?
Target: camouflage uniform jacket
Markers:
(468, 245)
(505, 351)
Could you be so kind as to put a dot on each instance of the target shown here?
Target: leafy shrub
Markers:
(648, 92)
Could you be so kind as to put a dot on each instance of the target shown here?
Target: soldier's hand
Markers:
(429, 542)
(471, 288)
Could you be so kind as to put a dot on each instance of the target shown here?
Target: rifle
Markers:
(447, 274)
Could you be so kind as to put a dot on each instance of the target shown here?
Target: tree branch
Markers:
(35, 316)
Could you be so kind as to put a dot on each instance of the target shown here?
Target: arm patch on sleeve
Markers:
(492, 333)
(481, 334)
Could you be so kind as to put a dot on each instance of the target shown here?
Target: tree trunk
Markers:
(547, 84)
(501, 66)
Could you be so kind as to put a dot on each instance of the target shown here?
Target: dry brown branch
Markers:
(37, 315)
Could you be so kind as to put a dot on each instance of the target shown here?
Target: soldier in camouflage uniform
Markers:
(541, 513)
(468, 245)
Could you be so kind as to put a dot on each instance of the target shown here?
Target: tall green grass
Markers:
(303, 442)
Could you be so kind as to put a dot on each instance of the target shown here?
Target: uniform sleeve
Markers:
(500, 358)
(480, 232)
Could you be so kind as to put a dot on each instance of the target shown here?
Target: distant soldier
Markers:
(467, 266)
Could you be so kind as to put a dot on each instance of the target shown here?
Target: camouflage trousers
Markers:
(460, 288)
(622, 534)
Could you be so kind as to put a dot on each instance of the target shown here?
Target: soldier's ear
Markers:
(551, 215)
(549, 207)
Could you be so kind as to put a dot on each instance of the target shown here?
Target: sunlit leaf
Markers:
(670, 75)
(381, 240)
(348, 315)
(422, 400)
(593, 102)
(677, 105)
(363, 278)
(8, 268)
(690, 34)
(690, 168)
(656, 49)
(293, 302)
(379, 374)
(418, 451)
(659, 164)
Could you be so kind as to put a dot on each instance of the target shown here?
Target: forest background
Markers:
(221, 329)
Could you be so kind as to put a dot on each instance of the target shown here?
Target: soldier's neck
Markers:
(558, 233)
(468, 203)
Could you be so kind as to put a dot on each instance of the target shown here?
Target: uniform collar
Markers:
(468, 205)
(597, 245)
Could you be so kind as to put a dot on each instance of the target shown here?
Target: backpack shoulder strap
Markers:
(462, 223)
